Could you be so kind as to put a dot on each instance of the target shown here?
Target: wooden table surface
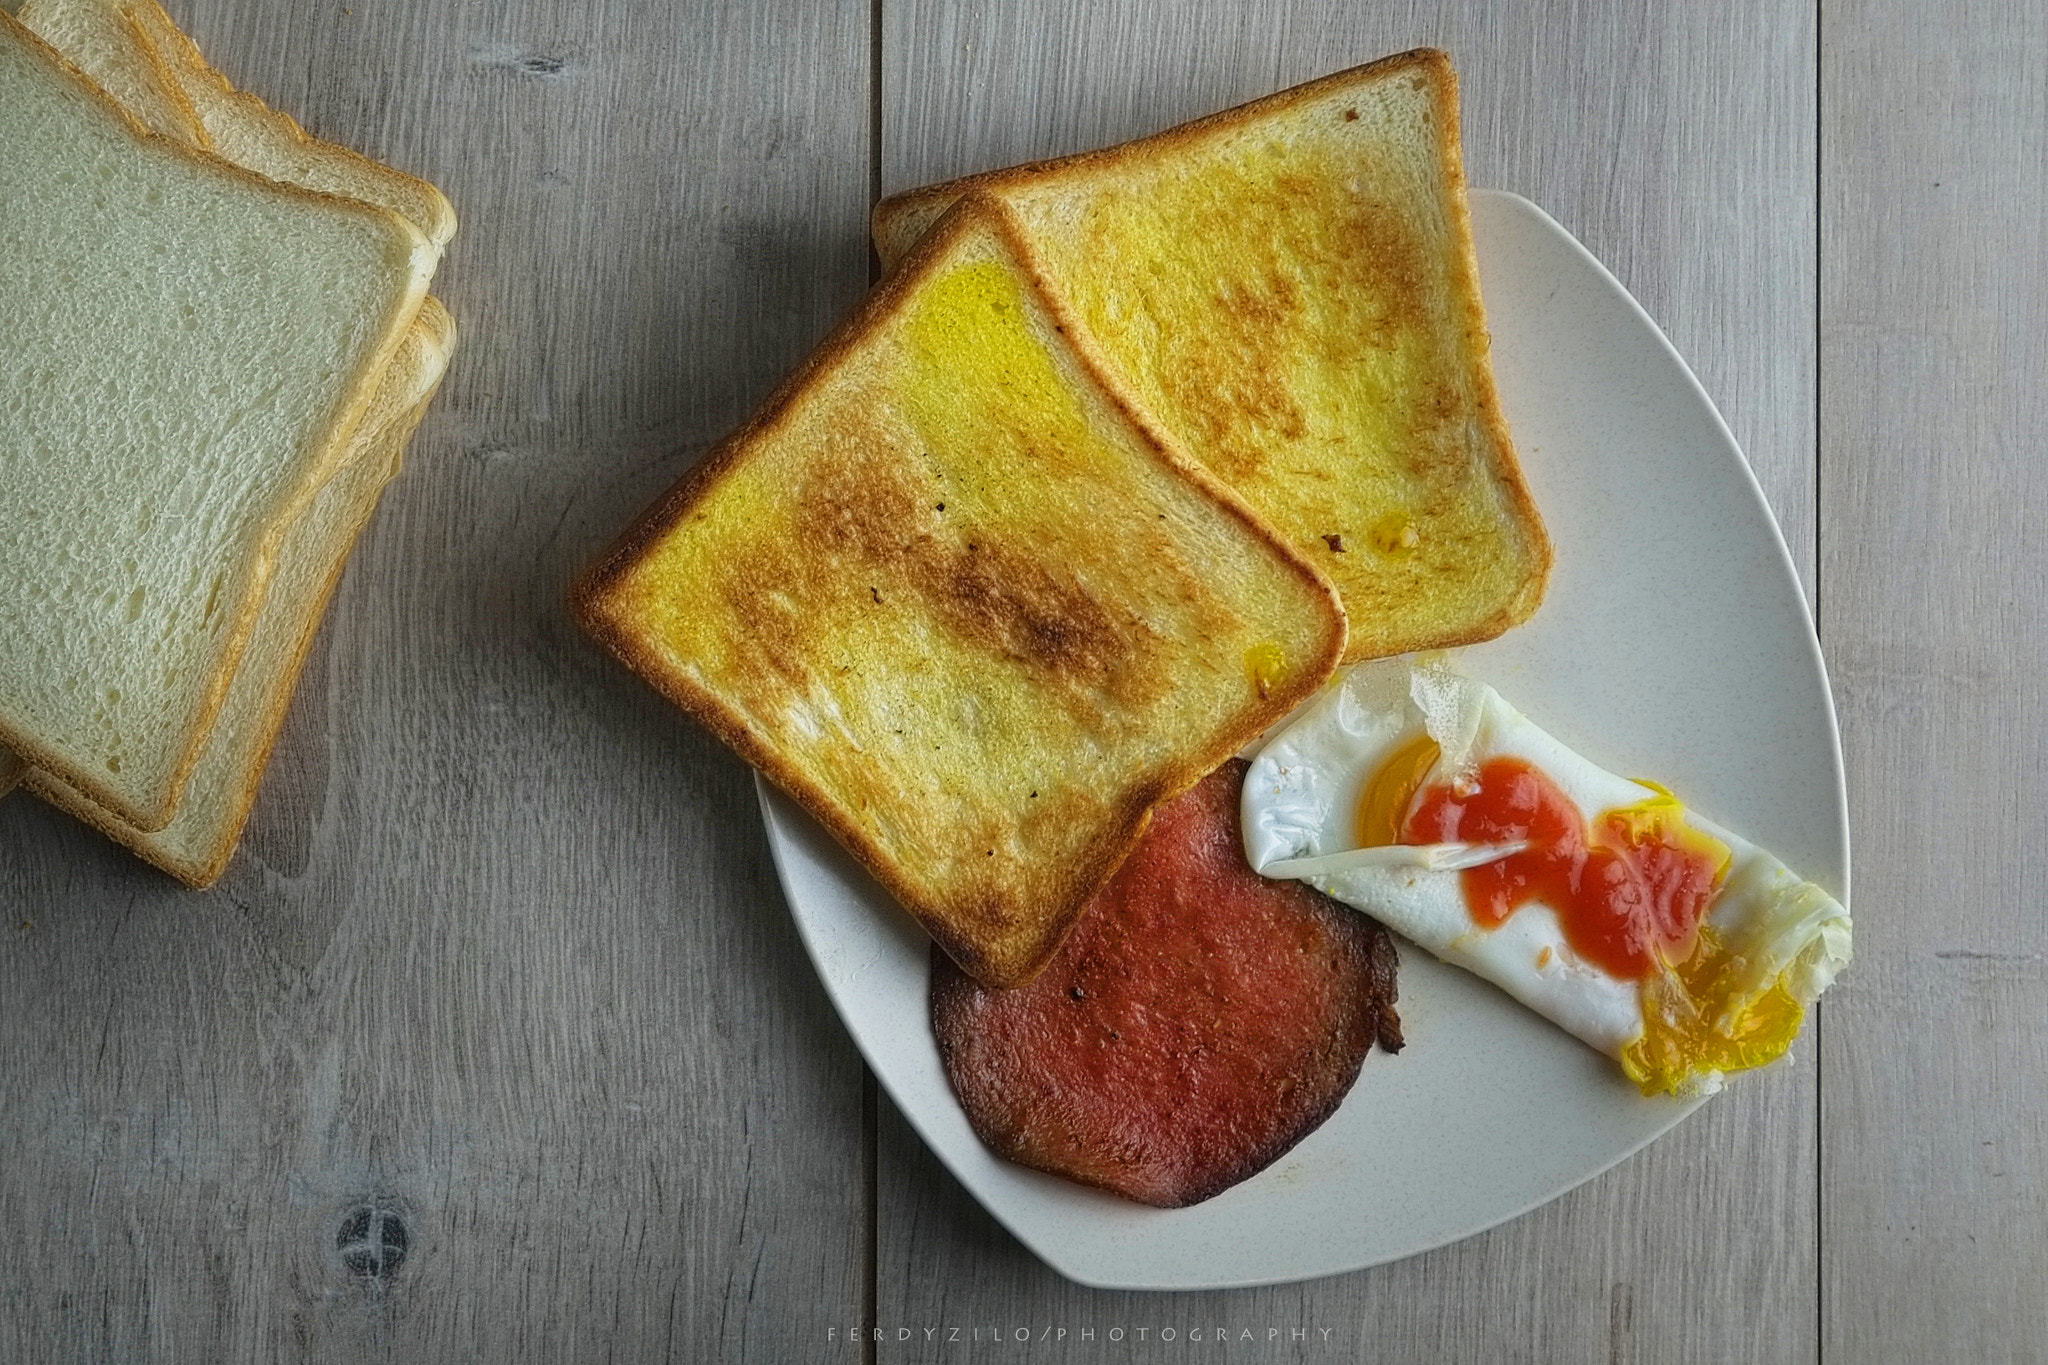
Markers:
(503, 958)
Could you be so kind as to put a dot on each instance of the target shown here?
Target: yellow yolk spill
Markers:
(1264, 663)
(1383, 807)
(1695, 1022)
(1661, 818)
(1395, 534)
(1695, 1019)
(1694, 1014)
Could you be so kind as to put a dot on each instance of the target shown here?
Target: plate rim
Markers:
(775, 807)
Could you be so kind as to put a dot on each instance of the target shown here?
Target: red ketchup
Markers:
(1626, 893)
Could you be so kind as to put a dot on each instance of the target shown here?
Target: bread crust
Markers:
(1130, 812)
(1434, 62)
(899, 219)
(147, 89)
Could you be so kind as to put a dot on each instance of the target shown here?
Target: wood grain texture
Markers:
(1934, 604)
(1678, 144)
(502, 951)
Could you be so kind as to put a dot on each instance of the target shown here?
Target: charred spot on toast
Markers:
(1018, 605)
(875, 514)
(866, 505)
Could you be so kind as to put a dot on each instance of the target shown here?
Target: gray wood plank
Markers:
(502, 952)
(1678, 144)
(1933, 583)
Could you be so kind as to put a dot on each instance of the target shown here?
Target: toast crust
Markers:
(595, 601)
(916, 209)
(153, 811)
(1381, 621)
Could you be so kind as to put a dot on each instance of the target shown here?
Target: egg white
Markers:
(1300, 800)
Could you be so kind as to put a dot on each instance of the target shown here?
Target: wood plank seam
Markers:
(1819, 1051)
(870, 1097)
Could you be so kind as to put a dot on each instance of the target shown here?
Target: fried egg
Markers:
(1678, 948)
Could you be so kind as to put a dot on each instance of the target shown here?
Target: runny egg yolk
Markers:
(1695, 1020)
(1631, 890)
(1383, 807)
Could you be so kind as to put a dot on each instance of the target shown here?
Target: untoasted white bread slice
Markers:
(250, 133)
(138, 54)
(950, 595)
(106, 42)
(110, 48)
(190, 350)
(1289, 289)
(196, 845)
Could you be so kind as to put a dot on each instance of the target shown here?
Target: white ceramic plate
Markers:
(1674, 644)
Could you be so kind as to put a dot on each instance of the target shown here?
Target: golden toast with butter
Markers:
(950, 594)
(1288, 290)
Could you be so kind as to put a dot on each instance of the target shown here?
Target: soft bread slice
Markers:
(1289, 289)
(197, 844)
(255, 319)
(111, 49)
(105, 41)
(107, 44)
(946, 591)
(250, 133)
(134, 51)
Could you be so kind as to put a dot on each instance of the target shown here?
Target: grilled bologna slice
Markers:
(1198, 1022)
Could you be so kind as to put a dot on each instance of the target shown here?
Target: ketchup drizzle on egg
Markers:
(1625, 891)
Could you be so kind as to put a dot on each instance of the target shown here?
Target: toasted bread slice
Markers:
(946, 591)
(137, 536)
(12, 770)
(196, 845)
(1289, 290)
